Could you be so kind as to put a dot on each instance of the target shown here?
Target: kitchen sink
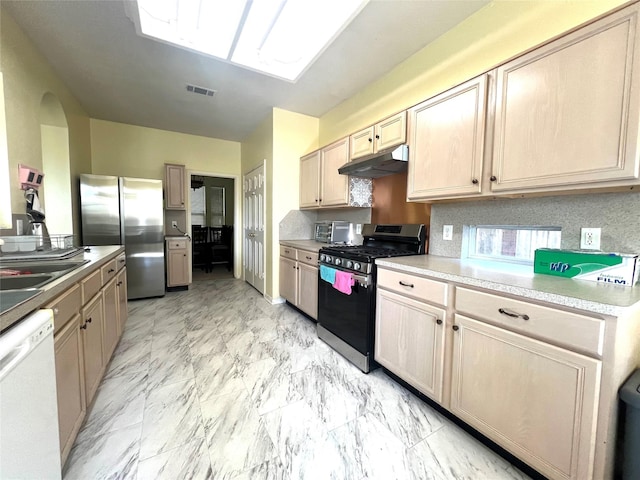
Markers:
(25, 281)
(26, 268)
(26, 275)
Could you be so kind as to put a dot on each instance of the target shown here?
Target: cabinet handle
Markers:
(184, 254)
(455, 328)
(119, 283)
(493, 178)
(405, 284)
(439, 322)
(122, 260)
(88, 320)
(370, 140)
(513, 314)
(111, 270)
(83, 327)
(377, 137)
(307, 257)
(474, 181)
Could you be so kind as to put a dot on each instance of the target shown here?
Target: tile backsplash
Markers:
(616, 213)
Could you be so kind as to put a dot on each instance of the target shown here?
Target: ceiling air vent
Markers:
(207, 92)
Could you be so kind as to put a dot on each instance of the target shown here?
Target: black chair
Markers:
(201, 253)
(221, 245)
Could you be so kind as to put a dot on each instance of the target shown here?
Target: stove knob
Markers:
(327, 258)
(322, 257)
(357, 266)
(349, 264)
(338, 261)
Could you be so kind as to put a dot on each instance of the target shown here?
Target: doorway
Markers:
(212, 220)
(253, 258)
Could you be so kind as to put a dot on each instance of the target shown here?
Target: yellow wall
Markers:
(132, 151)
(494, 34)
(293, 136)
(280, 140)
(27, 78)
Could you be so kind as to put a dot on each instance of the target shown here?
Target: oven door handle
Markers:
(363, 280)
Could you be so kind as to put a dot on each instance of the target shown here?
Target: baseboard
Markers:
(274, 301)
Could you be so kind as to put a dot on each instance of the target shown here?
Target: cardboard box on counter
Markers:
(613, 268)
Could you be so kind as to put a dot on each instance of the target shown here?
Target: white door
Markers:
(253, 255)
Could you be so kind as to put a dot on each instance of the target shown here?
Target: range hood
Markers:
(384, 162)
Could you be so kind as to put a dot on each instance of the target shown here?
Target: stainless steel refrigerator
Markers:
(127, 211)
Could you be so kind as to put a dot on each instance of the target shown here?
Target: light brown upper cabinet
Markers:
(446, 143)
(320, 183)
(385, 134)
(310, 180)
(174, 184)
(566, 114)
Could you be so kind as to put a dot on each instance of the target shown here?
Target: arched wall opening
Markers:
(56, 189)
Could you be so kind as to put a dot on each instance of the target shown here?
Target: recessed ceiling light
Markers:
(280, 38)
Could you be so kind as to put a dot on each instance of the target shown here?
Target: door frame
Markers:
(237, 214)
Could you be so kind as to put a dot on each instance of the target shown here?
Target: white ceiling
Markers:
(120, 77)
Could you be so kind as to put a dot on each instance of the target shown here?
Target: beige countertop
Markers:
(310, 245)
(521, 281)
(97, 256)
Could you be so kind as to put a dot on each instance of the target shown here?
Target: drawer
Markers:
(121, 261)
(177, 244)
(91, 285)
(564, 328)
(288, 252)
(109, 271)
(310, 258)
(420, 288)
(65, 307)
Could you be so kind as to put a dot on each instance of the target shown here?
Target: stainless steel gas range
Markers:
(347, 284)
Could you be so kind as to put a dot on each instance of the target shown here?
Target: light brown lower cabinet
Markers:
(410, 341)
(177, 262)
(121, 289)
(92, 326)
(72, 407)
(536, 400)
(299, 279)
(110, 326)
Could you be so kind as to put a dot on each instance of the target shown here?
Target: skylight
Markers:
(280, 38)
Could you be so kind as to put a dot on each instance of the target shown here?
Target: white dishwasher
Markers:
(29, 438)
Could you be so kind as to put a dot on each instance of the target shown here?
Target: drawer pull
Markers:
(111, 270)
(439, 322)
(405, 284)
(512, 314)
(455, 328)
(287, 251)
(119, 283)
(308, 257)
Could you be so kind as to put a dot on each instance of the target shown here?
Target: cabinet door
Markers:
(310, 180)
(110, 324)
(289, 280)
(410, 341)
(308, 290)
(69, 384)
(536, 400)
(92, 320)
(446, 143)
(174, 187)
(177, 267)
(391, 132)
(123, 310)
(361, 143)
(334, 188)
(567, 113)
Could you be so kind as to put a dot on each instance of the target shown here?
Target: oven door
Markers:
(349, 317)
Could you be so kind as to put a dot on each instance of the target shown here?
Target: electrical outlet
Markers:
(590, 238)
(19, 227)
(447, 232)
(174, 224)
(358, 228)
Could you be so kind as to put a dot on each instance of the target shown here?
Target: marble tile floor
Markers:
(216, 383)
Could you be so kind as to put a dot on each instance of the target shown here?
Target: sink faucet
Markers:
(35, 213)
